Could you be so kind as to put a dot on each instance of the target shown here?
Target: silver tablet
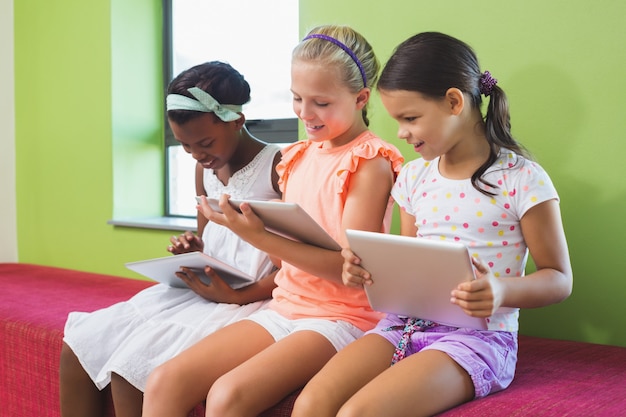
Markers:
(164, 269)
(286, 219)
(415, 276)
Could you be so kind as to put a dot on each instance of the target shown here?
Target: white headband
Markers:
(204, 103)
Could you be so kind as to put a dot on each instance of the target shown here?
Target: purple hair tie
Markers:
(345, 48)
(487, 82)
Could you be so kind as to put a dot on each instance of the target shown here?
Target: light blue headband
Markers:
(204, 103)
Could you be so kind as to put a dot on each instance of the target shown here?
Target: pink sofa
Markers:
(554, 377)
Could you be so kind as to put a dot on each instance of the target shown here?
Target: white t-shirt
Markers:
(489, 226)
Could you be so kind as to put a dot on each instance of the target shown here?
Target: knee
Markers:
(350, 409)
(158, 381)
(316, 400)
(225, 398)
(307, 404)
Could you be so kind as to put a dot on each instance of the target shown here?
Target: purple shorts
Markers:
(489, 357)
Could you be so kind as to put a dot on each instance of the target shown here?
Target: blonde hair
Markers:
(328, 53)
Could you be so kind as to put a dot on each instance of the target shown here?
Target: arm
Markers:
(275, 176)
(188, 241)
(368, 195)
(549, 284)
(218, 291)
(202, 221)
(407, 224)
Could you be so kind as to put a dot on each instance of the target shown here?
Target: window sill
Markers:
(160, 223)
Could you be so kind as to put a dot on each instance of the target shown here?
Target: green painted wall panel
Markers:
(88, 106)
(88, 122)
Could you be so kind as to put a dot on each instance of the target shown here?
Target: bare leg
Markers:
(127, 399)
(346, 373)
(423, 384)
(78, 394)
(177, 386)
(269, 376)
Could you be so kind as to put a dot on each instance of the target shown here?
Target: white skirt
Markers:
(133, 337)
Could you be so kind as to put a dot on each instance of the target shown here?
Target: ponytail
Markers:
(498, 133)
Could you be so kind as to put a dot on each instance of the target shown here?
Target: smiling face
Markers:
(324, 103)
(430, 125)
(210, 141)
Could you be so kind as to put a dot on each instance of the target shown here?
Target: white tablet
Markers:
(415, 276)
(164, 269)
(286, 219)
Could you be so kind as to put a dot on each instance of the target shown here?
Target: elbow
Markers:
(565, 287)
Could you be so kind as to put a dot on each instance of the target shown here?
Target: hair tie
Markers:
(345, 48)
(204, 103)
(487, 82)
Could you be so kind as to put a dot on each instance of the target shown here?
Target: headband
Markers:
(204, 103)
(345, 48)
(486, 83)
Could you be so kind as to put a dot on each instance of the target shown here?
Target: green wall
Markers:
(88, 131)
(88, 94)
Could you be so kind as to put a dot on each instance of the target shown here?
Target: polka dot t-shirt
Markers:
(489, 226)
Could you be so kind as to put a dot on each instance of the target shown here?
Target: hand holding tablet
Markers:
(413, 276)
(285, 219)
(164, 269)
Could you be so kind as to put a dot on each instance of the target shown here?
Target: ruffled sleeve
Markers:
(290, 155)
(369, 149)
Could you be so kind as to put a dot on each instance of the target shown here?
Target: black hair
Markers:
(224, 83)
(431, 63)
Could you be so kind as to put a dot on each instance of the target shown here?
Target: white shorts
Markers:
(339, 333)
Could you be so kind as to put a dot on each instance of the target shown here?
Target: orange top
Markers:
(317, 179)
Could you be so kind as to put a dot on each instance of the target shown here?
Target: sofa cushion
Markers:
(553, 377)
(34, 303)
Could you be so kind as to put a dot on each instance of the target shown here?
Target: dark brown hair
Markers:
(430, 63)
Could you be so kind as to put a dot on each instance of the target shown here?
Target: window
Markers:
(256, 37)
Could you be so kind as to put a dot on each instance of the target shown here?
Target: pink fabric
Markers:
(557, 378)
(34, 303)
(43, 295)
(317, 178)
(554, 378)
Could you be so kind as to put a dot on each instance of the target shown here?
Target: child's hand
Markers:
(204, 208)
(246, 224)
(187, 242)
(482, 296)
(217, 291)
(353, 275)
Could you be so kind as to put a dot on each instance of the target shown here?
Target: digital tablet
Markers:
(414, 276)
(286, 219)
(164, 269)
